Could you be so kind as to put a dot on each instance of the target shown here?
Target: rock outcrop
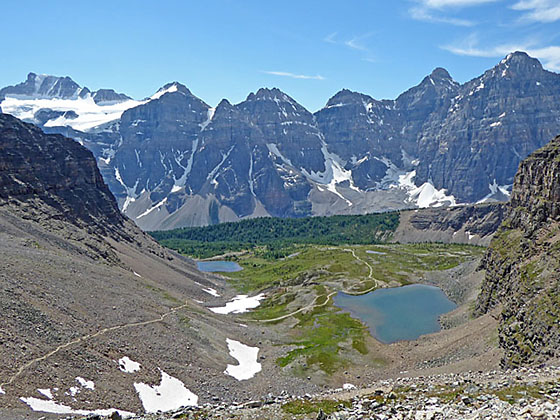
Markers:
(56, 171)
(475, 224)
(523, 263)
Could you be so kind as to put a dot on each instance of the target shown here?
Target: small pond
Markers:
(400, 313)
(218, 266)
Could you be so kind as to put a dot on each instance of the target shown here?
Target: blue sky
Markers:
(308, 48)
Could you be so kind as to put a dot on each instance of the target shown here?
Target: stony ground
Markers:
(527, 393)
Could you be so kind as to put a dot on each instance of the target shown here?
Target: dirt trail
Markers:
(87, 337)
(313, 305)
(310, 306)
(370, 275)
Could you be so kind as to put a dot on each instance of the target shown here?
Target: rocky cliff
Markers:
(523, 263)
(56, 173)
(475, 224)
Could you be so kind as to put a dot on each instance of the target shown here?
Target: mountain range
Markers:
(172, 160)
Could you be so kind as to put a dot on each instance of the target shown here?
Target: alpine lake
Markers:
(398, 313)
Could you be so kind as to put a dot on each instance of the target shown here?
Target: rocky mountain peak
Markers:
(272, 105)
(439, 74)
(437, 79)
(109, 96)
(517, 64)
(224, 106)
(267, 94)
(437, 85)
(346, 97)
(45, 86)
(173, 87)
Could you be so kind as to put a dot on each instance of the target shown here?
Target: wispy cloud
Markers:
(331, 38)
(545, 11)
(295, 76)
(354, 43)
(548, 55)
(431, 11)
(442, 4)
(424, 15)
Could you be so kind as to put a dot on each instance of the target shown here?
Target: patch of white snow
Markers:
(239, 304)
(128, 366)
(425, 195)
(211, 291)
(85, 384)
(90, 114)
(170, 394)
(50, 406)
(162, 91)
(247, 359)
(46, 392)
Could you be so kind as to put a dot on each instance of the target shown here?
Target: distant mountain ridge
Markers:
(172, 160)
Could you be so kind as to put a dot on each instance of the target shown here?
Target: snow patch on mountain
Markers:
(497, 193)
(212, 292)
(211, 112)
(50, 406)
(246, 356)
(170, 394)
(151, 209)
(239, 304)
(272, 148)
(46, 392)
(425, 195)
(334, 173)
(127, 365)
(163, 91)
(85, 383)
(90, 114)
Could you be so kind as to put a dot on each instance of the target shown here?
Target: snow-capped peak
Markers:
(166, 89)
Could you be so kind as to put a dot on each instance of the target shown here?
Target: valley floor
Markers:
(306, 345)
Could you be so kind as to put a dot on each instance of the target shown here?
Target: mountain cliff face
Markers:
(492, 123)
(171, 160)
(473, 224)
(523, 263)
(74, 186)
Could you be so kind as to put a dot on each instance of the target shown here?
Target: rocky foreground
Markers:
(526, 393)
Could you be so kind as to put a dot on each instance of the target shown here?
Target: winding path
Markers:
(370, 275)
(87, 337)
(313, 304)
(310, 306)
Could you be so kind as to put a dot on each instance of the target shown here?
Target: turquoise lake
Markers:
(218, 266)
(400, 313)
